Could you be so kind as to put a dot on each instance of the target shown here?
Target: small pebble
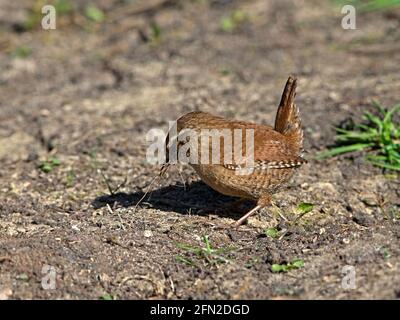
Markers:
(147, 233)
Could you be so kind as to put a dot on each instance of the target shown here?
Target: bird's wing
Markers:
(268, 149)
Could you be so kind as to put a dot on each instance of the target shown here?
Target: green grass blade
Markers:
(381, 133)
(374, 119)
(388, 115)
(377, 5)
(342, 149)
(357, 137)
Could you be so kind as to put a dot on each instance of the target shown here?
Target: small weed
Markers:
(94, 14)
(21, 52)
(185, 260)
(155, 34)
(302, 209)
(107, 296)
(63, 7)
(210, 255)
(379, 137)
(295, 264)
(272, 233)
(305, 207)
(31, 21)
(69, 180)
(48, 165)
(385, 253)
(232, 21)
(152, 35)
(34, 16)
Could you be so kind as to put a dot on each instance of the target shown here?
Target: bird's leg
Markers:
(248, 214)
(261, 203)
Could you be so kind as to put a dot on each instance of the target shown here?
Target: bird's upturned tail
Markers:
(287, 119)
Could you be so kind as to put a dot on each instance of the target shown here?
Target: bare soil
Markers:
(88, 93)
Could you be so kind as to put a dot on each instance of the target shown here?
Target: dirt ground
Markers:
(87, 93)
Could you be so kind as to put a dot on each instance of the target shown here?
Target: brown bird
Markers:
(277, 152)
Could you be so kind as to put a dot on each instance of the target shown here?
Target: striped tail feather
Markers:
(265, 164)
(288, 120)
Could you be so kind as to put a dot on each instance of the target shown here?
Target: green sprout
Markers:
(272, 232)
(63, 7)
(107, 296)
(379, 137)
(21, 52)
(210, 255)
(285, 267)
(94, 14)
(305, 207)
(155, 33)
(48, 165)
(69, 180)
(232, 21)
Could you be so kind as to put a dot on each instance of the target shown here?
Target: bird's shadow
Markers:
(195, 198)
